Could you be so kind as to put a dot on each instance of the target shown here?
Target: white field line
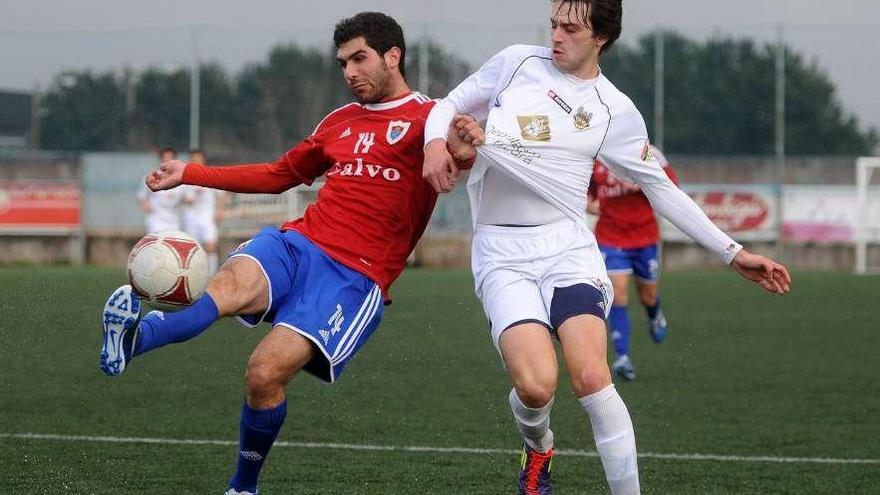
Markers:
(437, 450)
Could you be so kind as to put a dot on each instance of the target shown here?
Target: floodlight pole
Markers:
(861, 218)
(194, 93)
(659, 89)
(424, 77)
(780, 140)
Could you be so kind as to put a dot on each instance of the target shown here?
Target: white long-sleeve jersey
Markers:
(545, 129)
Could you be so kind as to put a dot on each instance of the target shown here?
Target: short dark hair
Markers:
(381, 32)
(196, 150)
(605, 17)
(168, 150)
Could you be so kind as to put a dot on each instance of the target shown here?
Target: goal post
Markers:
(865, 167)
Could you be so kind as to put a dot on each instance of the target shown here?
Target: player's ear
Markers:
(392, 57)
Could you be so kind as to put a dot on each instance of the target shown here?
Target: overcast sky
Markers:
(39, 38)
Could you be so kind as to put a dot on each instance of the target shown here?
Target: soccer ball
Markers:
(168, 269)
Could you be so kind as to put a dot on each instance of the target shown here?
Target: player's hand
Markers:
(439, 168)
(770, 275)
(461, 150)
(469, 129)
(593, 207)
(169, 175)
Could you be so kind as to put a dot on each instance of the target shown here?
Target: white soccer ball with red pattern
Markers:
(168, 269)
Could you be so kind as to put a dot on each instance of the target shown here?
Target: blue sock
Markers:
(259, 427)
(156, 330)
(654, 310)
(619, 320)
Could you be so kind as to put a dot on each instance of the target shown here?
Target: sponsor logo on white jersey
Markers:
(559, 101)
(647, 153)
(511, 145)
(397, 129)
(534, 127)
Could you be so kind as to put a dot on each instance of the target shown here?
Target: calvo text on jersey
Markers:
(361, 169)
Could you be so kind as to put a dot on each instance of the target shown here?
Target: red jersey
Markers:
(626, 219)
(374, 205)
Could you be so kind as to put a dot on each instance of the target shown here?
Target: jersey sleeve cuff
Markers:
(730, 252)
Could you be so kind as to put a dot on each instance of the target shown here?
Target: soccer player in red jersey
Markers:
(320, 280)
(628, 238)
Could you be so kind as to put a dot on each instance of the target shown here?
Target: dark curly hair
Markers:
(381, 32)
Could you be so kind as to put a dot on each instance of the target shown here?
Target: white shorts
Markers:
(517, 269)
(202, 227)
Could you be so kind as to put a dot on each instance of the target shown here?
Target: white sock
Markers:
(533, 424)
(615, 439)
(212, 263)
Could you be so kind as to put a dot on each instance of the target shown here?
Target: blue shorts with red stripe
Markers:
(333, 306)
(643, 262)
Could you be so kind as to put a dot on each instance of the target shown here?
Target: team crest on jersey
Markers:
(582, 119)
(534, 127)
(397, 129)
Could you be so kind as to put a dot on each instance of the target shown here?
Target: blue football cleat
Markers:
(534, 479)
(121, 315)
(624, 368)
(657, 328)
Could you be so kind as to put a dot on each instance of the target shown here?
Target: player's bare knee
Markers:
(222, 289)
(262, 381)
(591, 379)
(648, 294)
(535, 393)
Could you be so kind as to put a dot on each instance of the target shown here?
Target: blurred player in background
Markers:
(200, 212)
(629, 239)
(161, 208)
(550, 113)
(320, 280)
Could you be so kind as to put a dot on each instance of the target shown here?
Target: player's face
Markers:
(366, 72)
(575, 48)
(198, 158)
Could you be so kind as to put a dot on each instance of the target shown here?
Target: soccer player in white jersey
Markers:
(161, 208)
(550, 113)
(200, 207)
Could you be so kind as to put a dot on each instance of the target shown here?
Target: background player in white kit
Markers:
(201, 206)
(549, 115)
(161, 208)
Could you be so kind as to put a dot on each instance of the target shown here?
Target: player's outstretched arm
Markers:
(169, 175)
(770, 275)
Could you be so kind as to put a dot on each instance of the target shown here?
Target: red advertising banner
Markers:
(34, 205)
(745, 211)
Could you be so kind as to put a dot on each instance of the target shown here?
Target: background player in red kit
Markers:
(320, 280)
(629, 238)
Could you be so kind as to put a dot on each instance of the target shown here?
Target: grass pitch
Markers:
(780, 393)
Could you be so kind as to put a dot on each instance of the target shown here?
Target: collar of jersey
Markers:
(393, 103)
(577, 81)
